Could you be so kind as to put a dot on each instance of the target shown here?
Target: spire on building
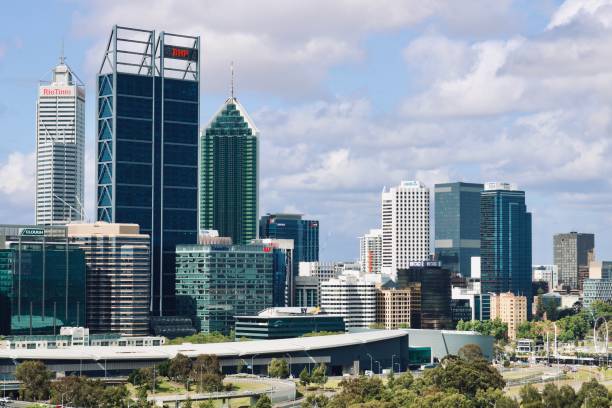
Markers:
(232, 82)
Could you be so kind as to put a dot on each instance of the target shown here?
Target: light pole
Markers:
(253, 364)
(371, 364)
(392, 365)
(399, 368)
(379, 367)
(290, 373)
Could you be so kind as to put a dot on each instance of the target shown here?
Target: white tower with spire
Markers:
(60, 147)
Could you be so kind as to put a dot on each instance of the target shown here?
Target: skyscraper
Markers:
(370, 251)
(305, 236)
(229, 173)
(60, 148)
(457, 225)
(572, 251)
(147, 150)
(505, 241)
(405, 225)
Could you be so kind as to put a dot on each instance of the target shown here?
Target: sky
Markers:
(354, 95)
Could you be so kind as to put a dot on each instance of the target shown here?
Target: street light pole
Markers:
(253, 364)
(289, 355)
(379, 367)
(371, 364)
(392, 365)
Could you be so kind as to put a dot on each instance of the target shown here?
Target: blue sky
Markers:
(354, 95)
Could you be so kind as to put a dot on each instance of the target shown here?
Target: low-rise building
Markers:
(78, 337)
(510, 309)
(596, 289)
(287, 322)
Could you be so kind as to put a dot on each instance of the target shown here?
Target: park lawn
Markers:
(522, 373)
(247, 385)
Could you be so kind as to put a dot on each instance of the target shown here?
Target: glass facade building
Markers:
(305, 236)
(214, 283)
(434, 283)
(457, 225)
(571, 253)
(505, 242)
(283, 327)
(147, 145)
(229, 166)
(42, 281)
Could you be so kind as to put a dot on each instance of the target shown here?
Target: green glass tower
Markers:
(229, 174)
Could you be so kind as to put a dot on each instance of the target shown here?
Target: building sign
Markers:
(267, 249)
(31, 232)
(56, 91)
(189, 54)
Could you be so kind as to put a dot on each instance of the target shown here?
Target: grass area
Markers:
(247, 385)
(519, 374)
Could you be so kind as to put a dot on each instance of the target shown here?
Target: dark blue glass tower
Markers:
(505, 242)
(457, 225)
(147, 132)
(304, 233)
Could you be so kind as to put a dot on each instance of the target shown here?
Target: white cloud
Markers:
(17, 178)
(571, 10)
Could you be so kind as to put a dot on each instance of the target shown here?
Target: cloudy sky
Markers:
(354, 95)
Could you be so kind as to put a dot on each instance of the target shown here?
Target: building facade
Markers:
(510, 309)
(596, 290)
(42, 280)
(215, 283)
(287, 322)
(118, 263)
(307, 291)
(322, 270)
(546, 273)
(147, 145)
(397, 308)
(457, 225)
(370, 251)
(229, 173)
(434, 284)
(505, 241)
(352, 298)
(571, 252)
(305, 236)
(60, 148)
(479, 303)
(284, 280)
(405, 226)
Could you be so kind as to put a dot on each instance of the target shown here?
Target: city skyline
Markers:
(331, 178)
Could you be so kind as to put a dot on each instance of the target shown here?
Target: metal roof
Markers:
(230, 349)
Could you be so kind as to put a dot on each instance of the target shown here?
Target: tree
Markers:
(202, 338)
(142, 377)
(278, 368)
(361, 389)
(88, 393)
(594, 395)
(180, 368)
(467, 377)
(493, 398)
(319, 374)
(530, 397)
(263, 402)
(312, 399)
(206, 372)
(188, 403)
(470, 352)
(305, 377)
(495, 328)
(35, 380)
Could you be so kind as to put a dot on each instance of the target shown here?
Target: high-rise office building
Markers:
(397, 308)
(305, 236)
(147, 145)
(546, 273)
(60, 148)
(215, 283)
(405, 226)
(229, 173)
(434, 285)
(118, 262)
(370, 251)
(284, 280)
(457, 225)
(351, 297)
(505, 241)
(42, 280)
(571, 252)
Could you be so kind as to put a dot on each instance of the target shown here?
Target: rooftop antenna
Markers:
(62, 53)
(232, 83)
